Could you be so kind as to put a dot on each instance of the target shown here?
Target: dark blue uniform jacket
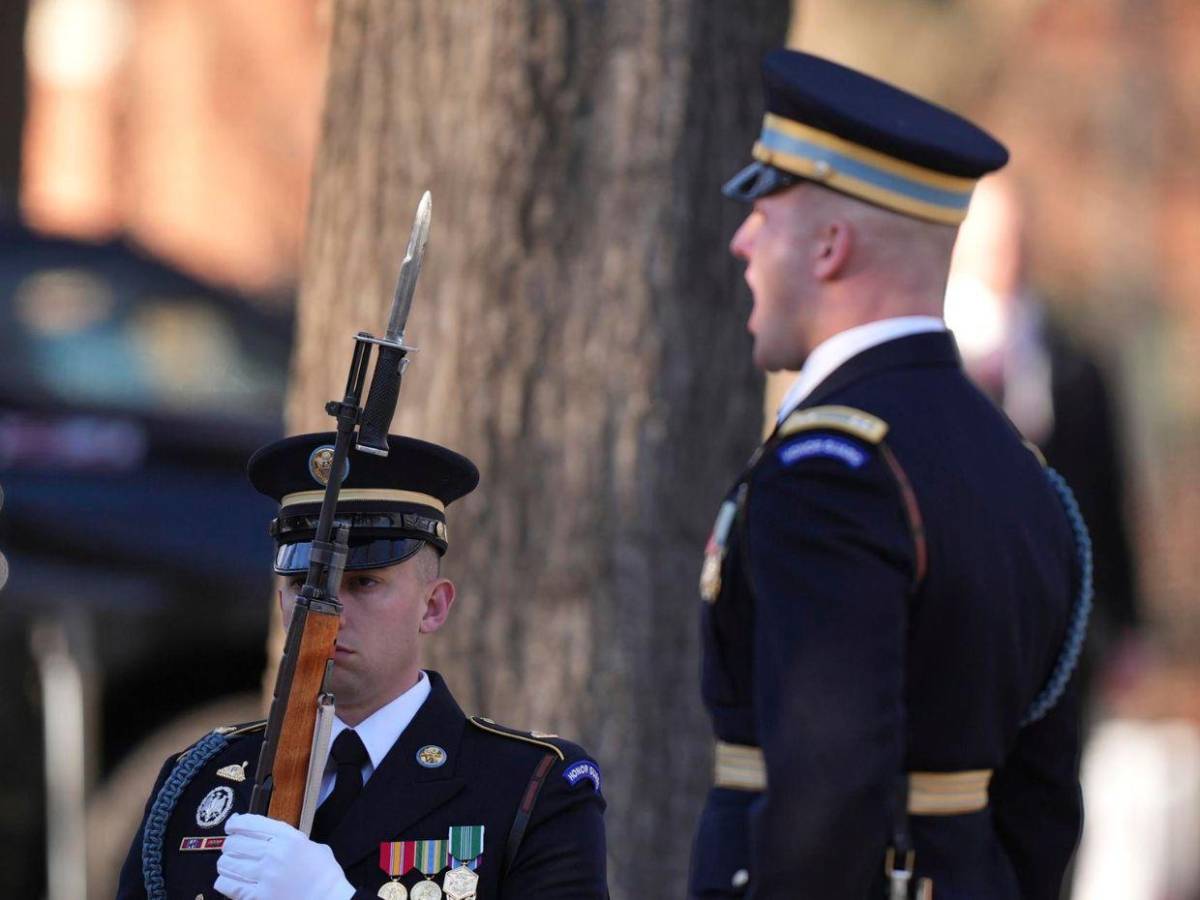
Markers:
(486, 774)
(822, 648)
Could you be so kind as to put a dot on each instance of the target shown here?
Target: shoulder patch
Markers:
(823, 446)
(583, 769)
(861, 425)
(504, 731)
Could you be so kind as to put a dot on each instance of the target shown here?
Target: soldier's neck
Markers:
(354, 713)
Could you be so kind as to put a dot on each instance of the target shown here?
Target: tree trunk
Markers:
(582, 335)
(13, 15)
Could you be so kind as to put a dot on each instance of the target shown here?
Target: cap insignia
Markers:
(320, 464)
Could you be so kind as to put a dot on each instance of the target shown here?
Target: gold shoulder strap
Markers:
(237, 730)
(504, 731)
(861, 425)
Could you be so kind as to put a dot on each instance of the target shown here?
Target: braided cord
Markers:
(1077, 629)
(155, 831)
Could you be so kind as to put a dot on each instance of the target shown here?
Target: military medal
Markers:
(396, 858)
(714, 552)
(426, 890)
(465, 844)
(460, 884)
(430, 859)
(466, 848)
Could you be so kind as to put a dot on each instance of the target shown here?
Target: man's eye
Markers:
(365, 581)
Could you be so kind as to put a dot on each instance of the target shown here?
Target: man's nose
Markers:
(740, 243)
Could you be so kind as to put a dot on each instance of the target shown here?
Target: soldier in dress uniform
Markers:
(895, 587)
(414, 790)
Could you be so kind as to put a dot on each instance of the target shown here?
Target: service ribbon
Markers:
(397, 857)
(466, 842)
(431, 856)
(471, 864)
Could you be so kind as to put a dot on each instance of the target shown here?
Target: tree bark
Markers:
(582, 335)
(13, 15)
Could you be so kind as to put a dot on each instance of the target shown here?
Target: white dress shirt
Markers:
(378, 731)
(830, 354)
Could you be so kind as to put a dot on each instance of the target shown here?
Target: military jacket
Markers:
(481, 777)
(888, 588)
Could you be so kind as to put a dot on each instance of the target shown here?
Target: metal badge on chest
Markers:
(215, 806)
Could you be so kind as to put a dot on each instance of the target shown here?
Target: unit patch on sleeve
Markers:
(823, 446)
(585, 768)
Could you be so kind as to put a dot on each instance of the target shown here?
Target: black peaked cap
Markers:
(392, 503)
(856, 134)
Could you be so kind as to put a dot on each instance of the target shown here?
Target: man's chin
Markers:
(764, 361)
(770, 359)
(343, 684)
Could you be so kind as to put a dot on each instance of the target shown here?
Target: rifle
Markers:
(288, 778)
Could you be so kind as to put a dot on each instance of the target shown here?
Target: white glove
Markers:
(264, 859)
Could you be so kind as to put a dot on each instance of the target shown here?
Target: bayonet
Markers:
(389, 367)
(406, 282)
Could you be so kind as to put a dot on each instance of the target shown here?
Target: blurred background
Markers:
(155, 168)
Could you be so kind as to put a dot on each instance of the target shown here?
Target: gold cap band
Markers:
(349, 495)
(892, 183)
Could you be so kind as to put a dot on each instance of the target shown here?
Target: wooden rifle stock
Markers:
(316, 634)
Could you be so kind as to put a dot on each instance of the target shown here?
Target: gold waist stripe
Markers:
(948, 793)
(741, 767)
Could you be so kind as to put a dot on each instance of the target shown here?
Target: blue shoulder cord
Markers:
(155, 831)
(1077, 629)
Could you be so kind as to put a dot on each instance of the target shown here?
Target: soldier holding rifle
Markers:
(368, 780)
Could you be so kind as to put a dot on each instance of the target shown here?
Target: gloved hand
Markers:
(264, 859)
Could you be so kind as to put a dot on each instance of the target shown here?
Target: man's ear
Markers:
(437, 605)
(832, 249)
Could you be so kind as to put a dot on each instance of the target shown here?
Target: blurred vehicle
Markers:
(131, 396)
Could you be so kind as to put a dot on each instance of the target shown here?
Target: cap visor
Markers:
(757, 180)
(291, 559)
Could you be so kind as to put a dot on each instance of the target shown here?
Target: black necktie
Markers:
(349, 754)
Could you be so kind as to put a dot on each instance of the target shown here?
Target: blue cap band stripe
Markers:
(864, 173)
(773, 140)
